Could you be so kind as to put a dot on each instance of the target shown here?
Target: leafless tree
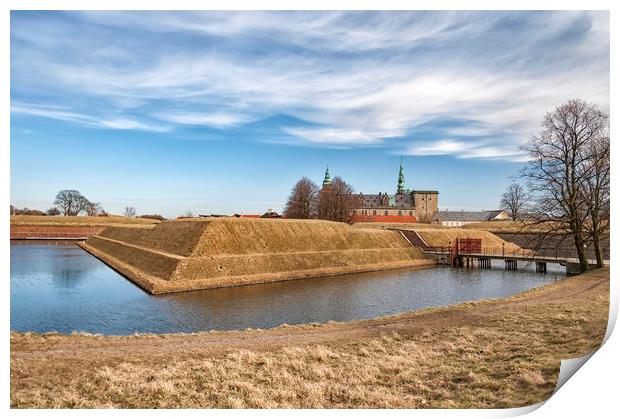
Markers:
(93, 209)
(514, 201)
(559, 167)
(130, 212)
(337, 201)
(188, 214)
(596, 192)
(53, 211)
(302, 202)
(70, 202)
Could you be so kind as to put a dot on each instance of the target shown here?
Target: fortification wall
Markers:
(209, 253)
(59, 232)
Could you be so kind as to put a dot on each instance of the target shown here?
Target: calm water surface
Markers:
(62, 288)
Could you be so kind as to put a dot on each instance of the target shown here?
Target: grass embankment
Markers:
(436, 235)
(494, 353)
(445, 236)
(510, 226)
(208, 253)
(406, 226)
(112, 220)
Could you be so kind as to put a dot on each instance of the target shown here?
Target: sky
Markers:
(222, 112)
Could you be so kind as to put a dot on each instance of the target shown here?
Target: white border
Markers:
(589, 393)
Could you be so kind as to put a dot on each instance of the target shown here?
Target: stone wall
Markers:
(426, 205)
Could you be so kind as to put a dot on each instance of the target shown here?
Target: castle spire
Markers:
(327, 180)
(401, 179)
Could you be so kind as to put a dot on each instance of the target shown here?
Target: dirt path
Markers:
(45, 363)
(30, 345)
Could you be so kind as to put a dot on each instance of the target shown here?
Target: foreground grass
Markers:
(497, 353)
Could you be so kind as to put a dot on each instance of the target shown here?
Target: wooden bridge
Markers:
(468, 251)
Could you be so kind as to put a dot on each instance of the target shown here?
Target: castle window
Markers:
(374, 212)
(410, 212)
(400, 212)
(385, 212)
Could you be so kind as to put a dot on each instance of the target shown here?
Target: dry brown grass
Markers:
(497, 353)
(490, 242)
(112, 220)
(513, 227)
(406, 226)
(208, 253)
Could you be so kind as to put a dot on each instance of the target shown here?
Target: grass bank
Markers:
(494, 353)
(111, 220)
(509, 226)
(192, 254)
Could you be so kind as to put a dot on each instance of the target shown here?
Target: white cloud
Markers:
(355, 79)
(216, 120)
(466, 149)
(122, 123)
(440, 147)
(332, 135)
(82, 119)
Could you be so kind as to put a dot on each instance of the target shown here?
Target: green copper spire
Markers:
(328, 179)
(401, 179)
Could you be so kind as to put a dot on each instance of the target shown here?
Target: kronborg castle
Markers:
(406, 206)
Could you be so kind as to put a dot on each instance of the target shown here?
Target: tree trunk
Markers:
(581, 252)
(597, 251)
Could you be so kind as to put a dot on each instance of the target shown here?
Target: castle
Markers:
(405, 206)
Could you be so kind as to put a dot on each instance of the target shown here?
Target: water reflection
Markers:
(63, 288)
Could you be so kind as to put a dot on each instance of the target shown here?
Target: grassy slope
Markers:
(496, 353)
(206, 253)
(490, 242)
(112, 220)
(513, 227)
(407, 226)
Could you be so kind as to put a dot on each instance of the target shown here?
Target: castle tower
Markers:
(327, 180)
(400, 190)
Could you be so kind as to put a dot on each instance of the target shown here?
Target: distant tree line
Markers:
(566, 180)
(334, 202)
(71, 203)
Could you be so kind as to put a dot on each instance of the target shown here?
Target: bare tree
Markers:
(514, 200)
(188, 214)
(70, 202)
(337, 201)
(560, 165)
(302, 202)
(53, 211)
(130, 212)
(93, 209)
(596, 189)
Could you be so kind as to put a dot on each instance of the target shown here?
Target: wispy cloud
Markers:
(216, 120)
(87, 120)
(351, 79)
(440, 147)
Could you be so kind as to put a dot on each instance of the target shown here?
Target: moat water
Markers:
(64, 289)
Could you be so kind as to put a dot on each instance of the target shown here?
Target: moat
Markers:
(64, 289)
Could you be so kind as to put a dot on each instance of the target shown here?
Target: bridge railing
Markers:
(491, 252)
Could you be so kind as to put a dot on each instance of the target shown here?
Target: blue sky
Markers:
(221, 112)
